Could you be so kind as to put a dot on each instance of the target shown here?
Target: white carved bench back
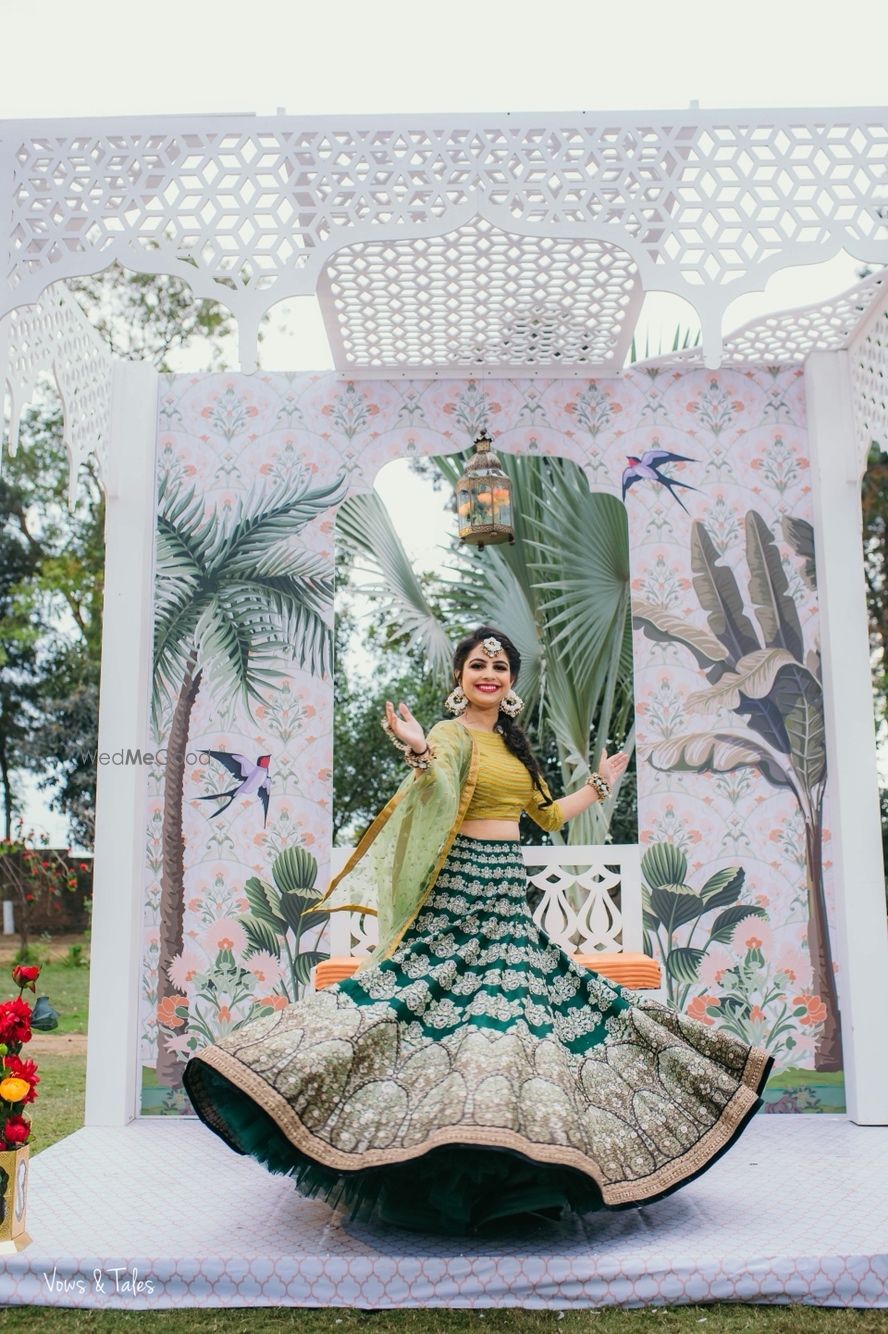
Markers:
(591, 900)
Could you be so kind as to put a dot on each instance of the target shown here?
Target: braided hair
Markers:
(510, 730)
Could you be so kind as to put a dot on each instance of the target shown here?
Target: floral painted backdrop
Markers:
(731, 762)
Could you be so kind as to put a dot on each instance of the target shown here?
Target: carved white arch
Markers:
(248, 209)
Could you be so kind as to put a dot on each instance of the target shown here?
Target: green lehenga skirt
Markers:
(478, 1074)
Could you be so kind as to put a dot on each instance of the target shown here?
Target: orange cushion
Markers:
(336, 969)
(637, 971)
(628, 970)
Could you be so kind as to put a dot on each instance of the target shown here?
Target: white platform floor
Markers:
(796, 1211)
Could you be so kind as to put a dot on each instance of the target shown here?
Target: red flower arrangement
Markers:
(18, 1078)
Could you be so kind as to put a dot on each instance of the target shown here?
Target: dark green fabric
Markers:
(453, 1190)
(458, 1188)
(474, 999)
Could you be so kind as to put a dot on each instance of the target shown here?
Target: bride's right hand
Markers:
(405, 726)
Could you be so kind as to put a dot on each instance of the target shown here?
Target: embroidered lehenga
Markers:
(471, 1070)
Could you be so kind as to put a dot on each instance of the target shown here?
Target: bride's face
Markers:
(485, 680)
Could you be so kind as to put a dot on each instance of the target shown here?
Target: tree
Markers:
(51, 588)
(148, 316)
(19, 667)
(874, 504)
(367, 769)
(54, 613)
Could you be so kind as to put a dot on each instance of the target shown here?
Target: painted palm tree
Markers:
(233, 598)
(562, 591)
(767, 679)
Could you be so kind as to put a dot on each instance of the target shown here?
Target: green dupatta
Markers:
(393, 868)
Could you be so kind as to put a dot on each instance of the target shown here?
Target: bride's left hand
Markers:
(612, 767)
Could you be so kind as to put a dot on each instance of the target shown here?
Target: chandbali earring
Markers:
(456, 701)
(512, 704)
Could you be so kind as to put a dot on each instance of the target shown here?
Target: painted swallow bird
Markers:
(252, 778)
(647, 468)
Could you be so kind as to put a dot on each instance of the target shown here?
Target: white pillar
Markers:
(856, 847)
(115, 951)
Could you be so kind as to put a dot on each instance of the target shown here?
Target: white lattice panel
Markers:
(591, 900)
(869, 378)
(248, 210)
(480, 299)
(788, 336)
(53, 336)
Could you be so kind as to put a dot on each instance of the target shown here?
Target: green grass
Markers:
(333, 1320)
(58, 1109)
(68, 992)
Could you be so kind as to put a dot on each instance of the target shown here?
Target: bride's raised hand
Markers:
(612, 767)
(405, 726)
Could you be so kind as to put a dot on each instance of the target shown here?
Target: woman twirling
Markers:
(470, 1071)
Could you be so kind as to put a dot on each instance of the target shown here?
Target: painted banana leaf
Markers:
(671, 904)
(719, 596)
(282, 910)
(799, 533)
(766, 678)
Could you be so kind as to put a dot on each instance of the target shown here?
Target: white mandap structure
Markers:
(471, 271)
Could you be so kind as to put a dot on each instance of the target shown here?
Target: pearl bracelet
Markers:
(416, 759)
(601, 786)
(419, 759)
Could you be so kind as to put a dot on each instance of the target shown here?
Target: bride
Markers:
(470, 1070)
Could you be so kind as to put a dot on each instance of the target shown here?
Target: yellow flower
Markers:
(13, 1089)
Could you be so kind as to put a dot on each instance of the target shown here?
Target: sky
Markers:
(187, 57)
(103, 57)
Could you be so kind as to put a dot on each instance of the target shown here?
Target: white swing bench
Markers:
(591, 906)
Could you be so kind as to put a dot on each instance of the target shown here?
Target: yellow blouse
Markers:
(504, 788)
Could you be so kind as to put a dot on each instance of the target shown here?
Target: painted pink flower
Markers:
(754, 933)
(265, 968)
(183, 968)
(713, 965)
(225, 934)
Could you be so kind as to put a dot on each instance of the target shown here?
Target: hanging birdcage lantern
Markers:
(484, 498)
